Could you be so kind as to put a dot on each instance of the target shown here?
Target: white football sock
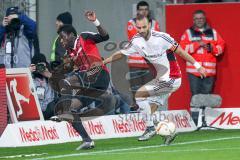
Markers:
(145, 109)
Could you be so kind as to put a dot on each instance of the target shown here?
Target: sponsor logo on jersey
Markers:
(130, 27)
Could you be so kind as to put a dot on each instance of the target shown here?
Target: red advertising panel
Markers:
(22, 98)
(3, 101)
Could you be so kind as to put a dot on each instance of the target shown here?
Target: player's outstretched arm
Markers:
(190, 59)
(114, 57)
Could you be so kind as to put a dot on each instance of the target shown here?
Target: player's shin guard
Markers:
(145, 109)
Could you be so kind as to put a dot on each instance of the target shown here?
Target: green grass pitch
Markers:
(201, 145)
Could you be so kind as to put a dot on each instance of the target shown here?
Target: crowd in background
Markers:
(20, 48)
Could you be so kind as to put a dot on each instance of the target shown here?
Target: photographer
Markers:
(18, 39)
(40, 73)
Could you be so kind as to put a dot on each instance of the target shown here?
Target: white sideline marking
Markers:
(135, 148)
(177, 150)
(23, 155)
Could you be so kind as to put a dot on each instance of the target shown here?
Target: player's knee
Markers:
(141, 94)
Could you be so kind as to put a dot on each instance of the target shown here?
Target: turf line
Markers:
(23, 155)
(133, 149)
(175, 151)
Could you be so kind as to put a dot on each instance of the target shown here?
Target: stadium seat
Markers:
(202, 101)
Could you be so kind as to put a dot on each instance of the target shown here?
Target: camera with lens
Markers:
(40, 67)
(13, 26)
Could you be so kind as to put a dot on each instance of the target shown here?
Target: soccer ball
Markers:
(165, 128)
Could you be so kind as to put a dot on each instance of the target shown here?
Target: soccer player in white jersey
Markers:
(158, 48)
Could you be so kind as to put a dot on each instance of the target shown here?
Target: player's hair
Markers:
(140, 17)
(67, 28)
(199, 12)
(142, 3)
